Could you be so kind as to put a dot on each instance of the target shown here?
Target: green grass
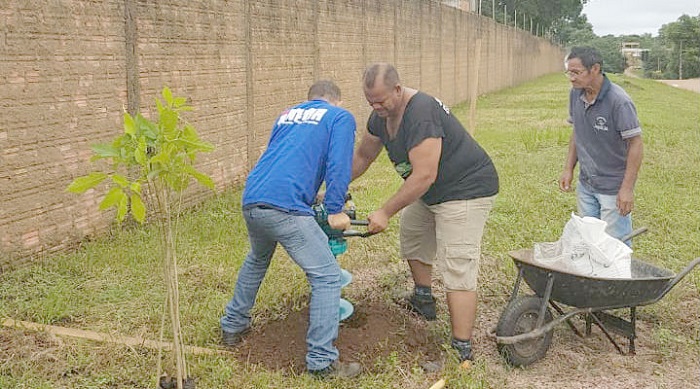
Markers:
(115, 284)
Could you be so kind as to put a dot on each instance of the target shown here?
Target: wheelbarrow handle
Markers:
(634, 233)
(679, 277)
(359, 222)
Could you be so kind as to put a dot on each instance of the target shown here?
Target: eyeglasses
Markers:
(377, 103)
(574, 73)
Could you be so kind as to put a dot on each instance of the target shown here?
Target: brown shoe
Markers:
(231, 339)
(338, 369)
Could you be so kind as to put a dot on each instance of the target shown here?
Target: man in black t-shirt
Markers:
(449, 187)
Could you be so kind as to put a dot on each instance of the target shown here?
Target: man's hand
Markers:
(339, 221)
(567, 174)
(625, 201)
(378, 221)
(320, 196)
(565, 180)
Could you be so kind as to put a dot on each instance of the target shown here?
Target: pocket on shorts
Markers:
(461, 267)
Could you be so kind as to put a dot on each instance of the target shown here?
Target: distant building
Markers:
(633, 53)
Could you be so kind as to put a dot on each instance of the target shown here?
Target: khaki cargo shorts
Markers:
(447, 235)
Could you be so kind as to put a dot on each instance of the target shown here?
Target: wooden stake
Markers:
(102, 337)
(475, 89)
(439, 385)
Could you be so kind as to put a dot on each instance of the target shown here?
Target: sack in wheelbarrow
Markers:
(586, 249)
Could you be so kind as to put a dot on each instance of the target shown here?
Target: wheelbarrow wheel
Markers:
(520, 317)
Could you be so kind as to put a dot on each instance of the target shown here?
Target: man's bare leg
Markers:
(422, 273)
(462, 306)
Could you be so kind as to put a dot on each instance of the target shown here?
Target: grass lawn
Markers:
(115, 285)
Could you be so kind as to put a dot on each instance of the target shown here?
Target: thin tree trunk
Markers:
(171, 280)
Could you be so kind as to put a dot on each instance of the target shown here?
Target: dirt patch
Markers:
(667, 356)
(376, 330)
(691, 84)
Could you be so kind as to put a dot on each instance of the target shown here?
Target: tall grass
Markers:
(113, 284)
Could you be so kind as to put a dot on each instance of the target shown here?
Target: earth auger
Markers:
(339, 245)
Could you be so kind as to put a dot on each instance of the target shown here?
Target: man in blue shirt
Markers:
(606, 143)
(310, 143)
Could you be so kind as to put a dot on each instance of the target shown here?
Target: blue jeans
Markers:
(604, 207)
(308, 246)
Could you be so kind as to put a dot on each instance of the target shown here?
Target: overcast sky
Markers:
(627, 17)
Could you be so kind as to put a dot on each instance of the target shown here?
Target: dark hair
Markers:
(325, 89)
(386, 71)
(589, 56)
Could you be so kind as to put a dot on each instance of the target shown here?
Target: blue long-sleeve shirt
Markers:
(310, 143)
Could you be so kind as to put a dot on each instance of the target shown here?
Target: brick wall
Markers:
(69, 69)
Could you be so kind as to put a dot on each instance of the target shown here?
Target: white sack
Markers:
(585, 248)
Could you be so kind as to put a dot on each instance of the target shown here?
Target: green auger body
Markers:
(336, 241)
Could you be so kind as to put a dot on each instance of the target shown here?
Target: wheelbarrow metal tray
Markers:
(647, 285)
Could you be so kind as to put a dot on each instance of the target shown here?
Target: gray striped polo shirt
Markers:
(601, 129)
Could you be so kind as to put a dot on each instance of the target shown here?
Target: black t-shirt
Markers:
(465, 171)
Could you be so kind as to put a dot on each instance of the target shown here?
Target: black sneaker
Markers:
(231, 339)
(338, 369)
(422, 305)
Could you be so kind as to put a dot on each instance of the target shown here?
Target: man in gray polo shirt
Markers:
(606, 142)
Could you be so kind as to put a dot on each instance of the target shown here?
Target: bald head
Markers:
(325, 90)
(380, 72)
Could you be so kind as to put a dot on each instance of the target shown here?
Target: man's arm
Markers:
(365, 154)
(625, 197)
(567, 175)
(424, 159)
(338, 169)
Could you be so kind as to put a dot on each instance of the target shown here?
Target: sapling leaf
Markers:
(168, 122)
(197, 145)
(138, 209)
(104, 150)
(81, 184)
(135, 187)
(148, 128)
(162, 157)
(160, 107)
(120, 180)
(129, 124)
(179, 102)
(188, 132)
(200, 177)
(112, 198)
(168, 96)
(122, 208)
(140, 152)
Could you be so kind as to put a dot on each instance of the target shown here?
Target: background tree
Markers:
(577, 32)
(546, 15)
(675, 53)
(657, 62)
(682, 37)
(609, 47)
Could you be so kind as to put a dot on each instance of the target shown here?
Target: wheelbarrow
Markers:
(525, 328)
